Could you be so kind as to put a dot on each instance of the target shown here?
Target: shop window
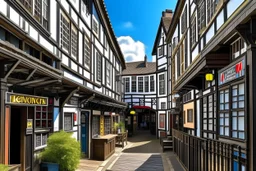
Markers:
(134, 84)
(40, 140)
(68, 121)
(238, 114)
(43, 117)
(146, 84)
(95, 126)
(190, 115)
(140, 84)
(152, 84)
(232, 120)
(107, 125)
(161, 84)
(209, 116)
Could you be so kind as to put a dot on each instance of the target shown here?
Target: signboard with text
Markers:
(101, 125)
(233, 72)
(23, 99)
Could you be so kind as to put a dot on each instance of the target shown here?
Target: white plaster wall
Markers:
(53, 20)
(232, 5)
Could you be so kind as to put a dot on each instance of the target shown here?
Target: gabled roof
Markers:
(138, 68)
(165, 22)
(100, 5)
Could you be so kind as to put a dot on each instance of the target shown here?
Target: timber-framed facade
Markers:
(64, 59)
(213, 68)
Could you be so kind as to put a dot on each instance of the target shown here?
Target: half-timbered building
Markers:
(60, 68)
(160, 51)
(139, 88)
(212, 58)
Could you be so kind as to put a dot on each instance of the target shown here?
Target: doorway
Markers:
(21, 146)
(84, 132)
(15, 136)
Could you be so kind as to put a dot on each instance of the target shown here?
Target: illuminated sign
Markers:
(233, 72)
(132, 112)
(101, 125)
(20, 99)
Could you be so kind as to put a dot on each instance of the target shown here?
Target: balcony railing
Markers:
(208, 155)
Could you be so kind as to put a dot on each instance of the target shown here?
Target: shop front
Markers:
(29, 120)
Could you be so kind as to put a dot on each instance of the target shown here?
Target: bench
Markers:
(121, 138)
(166, 143)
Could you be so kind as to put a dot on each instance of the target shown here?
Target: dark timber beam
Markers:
(12, 69)
(69, 96)
(31, 74)
(33, 81)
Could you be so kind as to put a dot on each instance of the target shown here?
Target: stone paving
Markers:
(143, 153)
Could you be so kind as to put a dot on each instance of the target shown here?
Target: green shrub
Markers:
(3, 167)
(62, 149)
(122, 126)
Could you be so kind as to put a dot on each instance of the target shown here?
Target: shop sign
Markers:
(101, 125)
(19, 99)
(235, 71)
(29, 129)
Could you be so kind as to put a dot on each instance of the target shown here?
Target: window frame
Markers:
(127, 84)
(152, 83)
(70, 114)
(140, 84)
(98, 67)
(161, 84)
(74, 41)
(190, 116)
(63, 38)
(134, 84)
(87, 52)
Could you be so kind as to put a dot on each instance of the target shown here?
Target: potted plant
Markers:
(3, 167)
(62, 152)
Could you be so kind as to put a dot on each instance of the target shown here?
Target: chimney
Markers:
(145, 60)
(167, 13)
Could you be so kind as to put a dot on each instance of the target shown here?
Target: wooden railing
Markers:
(16, 167)
(199, 154)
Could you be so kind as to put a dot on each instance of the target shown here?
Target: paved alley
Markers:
(143, 153)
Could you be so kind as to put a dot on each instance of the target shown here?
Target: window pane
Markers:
(234, 123)
(227, 106)
(234, 134)
(241, 89)
(221, 98)
(241, 113)
(241, 104)
(221, 121)
(234, 105)
(221, 130)
(241, 123)
(241, 135)
(227, 131)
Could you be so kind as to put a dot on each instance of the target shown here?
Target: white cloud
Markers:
(128, 25)
(132, 50)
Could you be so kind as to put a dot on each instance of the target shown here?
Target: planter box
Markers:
(49, 166)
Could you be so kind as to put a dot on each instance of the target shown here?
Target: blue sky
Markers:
(135, 23)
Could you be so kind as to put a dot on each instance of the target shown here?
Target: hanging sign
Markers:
(101, 125)
(23, 99)
(233, 72)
